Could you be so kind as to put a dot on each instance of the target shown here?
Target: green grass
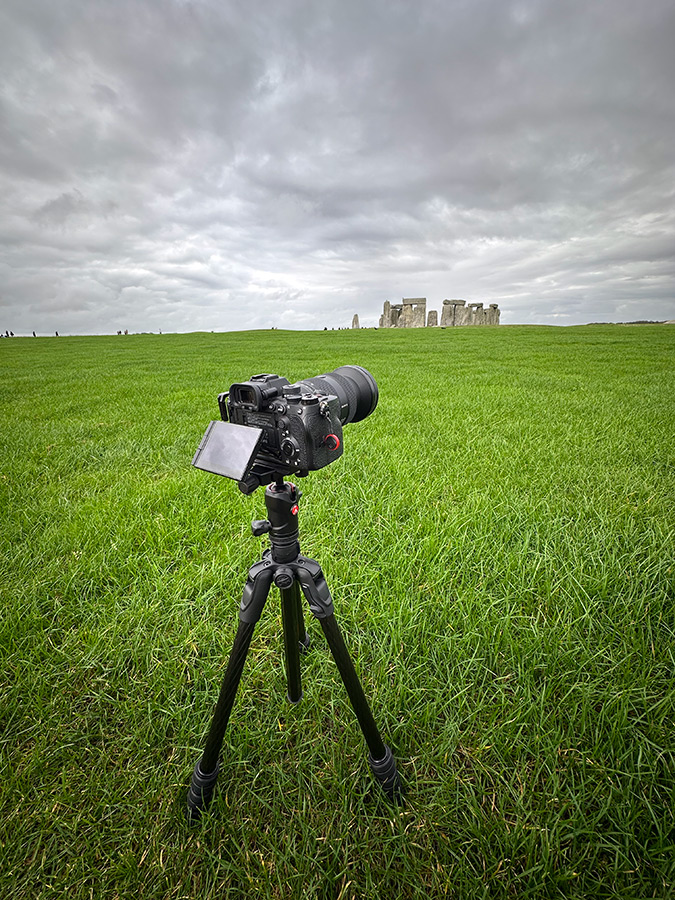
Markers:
(499, 542)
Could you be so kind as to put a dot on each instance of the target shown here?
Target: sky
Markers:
(231, 165)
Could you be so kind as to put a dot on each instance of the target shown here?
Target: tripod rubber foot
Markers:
(304, 644)
(200, 792)
(387, 774)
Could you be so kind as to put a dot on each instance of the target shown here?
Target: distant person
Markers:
(57, 334)
(34, 335)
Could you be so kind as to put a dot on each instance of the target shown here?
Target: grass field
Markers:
(499, 542)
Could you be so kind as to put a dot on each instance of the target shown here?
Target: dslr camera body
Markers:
(301, 428)
(270, 428)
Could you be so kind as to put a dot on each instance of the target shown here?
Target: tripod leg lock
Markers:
(256, 589)
(314, 587)
(201, 791)
(387, 774)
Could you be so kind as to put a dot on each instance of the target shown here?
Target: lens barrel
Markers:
(355, 388)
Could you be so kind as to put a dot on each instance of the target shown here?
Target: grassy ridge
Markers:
(498, 538)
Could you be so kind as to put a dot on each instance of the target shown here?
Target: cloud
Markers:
(185, 165)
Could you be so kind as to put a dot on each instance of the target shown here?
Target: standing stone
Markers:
(355, 321)
(414, 312)
(391, 314)
(475, 314)
(462, 315)
(493, 314)
(446, 314)
(454, 313)
(420, 314)
(432, 320)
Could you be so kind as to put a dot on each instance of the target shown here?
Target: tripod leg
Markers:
(318, 596)
(290, 603)
(303, 636)
(206, 770)
(381, 758)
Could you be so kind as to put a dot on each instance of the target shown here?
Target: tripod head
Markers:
(281, 501)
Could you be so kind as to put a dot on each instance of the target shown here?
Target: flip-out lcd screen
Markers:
(227, 449)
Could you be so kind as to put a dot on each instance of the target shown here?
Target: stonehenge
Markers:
(411, 312)
(457, 312)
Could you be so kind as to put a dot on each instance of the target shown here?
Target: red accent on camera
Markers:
(294, 510)
(332, 441)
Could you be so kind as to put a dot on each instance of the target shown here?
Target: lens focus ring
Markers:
(364, 387)
(355, 388)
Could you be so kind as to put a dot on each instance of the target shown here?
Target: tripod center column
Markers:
(281, 501)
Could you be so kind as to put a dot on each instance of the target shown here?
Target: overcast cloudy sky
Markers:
(252, 163)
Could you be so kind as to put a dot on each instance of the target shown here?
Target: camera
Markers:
(270, 428)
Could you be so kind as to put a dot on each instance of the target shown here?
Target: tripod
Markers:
(284, 565)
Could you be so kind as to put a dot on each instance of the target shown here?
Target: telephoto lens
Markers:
(354, 386)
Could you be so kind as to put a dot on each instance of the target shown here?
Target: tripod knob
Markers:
(284, 577)
(260, 527)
